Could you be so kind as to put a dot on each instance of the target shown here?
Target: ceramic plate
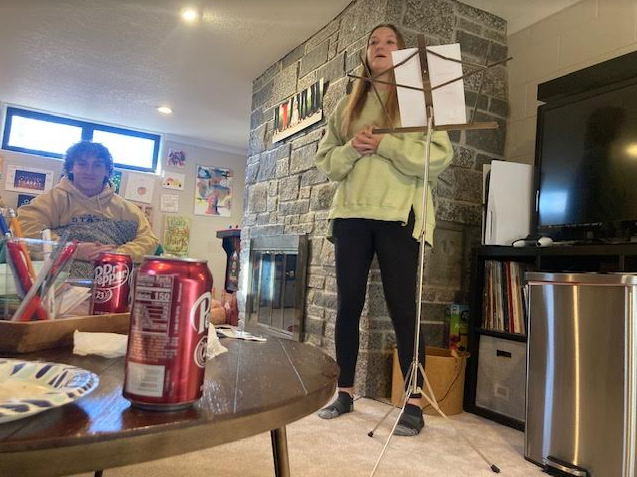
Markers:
(30, 387)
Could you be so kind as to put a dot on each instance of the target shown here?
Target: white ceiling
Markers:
(520, 14)
(115, 61)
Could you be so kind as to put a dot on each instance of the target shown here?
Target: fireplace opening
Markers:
(276, 285)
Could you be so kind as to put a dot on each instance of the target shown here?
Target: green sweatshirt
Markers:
(65, 204)
(385, 185)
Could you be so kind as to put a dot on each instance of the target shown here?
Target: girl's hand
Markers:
(365, 142)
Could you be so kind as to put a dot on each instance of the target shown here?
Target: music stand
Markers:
(411, 380)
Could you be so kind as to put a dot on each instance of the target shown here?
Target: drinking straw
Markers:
(49, 297)
(31, 305)
(59, 262)
(32, 302)
(17, 230)
(3, 225)
(18, 265)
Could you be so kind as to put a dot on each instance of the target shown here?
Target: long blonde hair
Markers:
(358, 95)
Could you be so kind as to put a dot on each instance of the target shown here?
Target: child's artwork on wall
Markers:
(168, 203)
(176, 235)
(300, 111)
(139, 188)
(172, 180)
(213, 191)
(176, 158)
(116, 179)
(30, 180)
(147, 210)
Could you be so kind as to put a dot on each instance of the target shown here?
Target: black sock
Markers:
(413, 410)
(411, 422)
(343, 404)
(345, 398)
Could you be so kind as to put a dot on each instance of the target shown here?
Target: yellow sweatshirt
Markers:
(65, 204)
(385, 185)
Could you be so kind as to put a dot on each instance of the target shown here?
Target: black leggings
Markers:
(355, 242)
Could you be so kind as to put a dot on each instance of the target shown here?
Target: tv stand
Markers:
(569, 256)
(598, 258)
(584, 242)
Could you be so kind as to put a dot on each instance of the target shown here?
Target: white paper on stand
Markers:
(448, 101)
(411, 103)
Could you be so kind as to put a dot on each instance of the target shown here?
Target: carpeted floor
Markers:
(341, 447)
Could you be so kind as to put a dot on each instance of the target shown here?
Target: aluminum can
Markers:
(111, 283)
(166, 356)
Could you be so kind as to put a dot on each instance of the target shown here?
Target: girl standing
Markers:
(377, 210)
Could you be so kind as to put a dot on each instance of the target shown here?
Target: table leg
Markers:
(98, 473)
(280, 452)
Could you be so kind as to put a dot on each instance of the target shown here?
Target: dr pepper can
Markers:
(111, 283)
(165, 361)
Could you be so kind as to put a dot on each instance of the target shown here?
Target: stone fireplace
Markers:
(286, 195)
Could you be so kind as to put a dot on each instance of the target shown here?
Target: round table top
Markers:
(253, 388)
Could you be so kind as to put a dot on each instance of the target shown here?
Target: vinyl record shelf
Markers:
(596, 258)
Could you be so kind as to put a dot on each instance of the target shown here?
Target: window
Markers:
(48, 135)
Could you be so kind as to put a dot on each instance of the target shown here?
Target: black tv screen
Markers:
(586, 163)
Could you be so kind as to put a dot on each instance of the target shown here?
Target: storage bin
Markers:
(502, 376)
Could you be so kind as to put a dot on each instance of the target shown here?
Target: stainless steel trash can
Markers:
(581, 394)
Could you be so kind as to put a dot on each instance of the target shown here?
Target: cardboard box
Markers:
(445, 371)
(456, 334)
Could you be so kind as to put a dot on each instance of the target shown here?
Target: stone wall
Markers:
(286, 194)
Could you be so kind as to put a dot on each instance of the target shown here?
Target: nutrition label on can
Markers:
(152, 340)
(153, 303)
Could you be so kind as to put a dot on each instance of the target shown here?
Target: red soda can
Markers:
(166, 356)
(111, 283)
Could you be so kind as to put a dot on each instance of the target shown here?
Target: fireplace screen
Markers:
(277, 285)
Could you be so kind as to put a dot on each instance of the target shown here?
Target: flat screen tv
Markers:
(586, 165)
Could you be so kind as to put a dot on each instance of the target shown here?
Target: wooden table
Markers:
(253, 388)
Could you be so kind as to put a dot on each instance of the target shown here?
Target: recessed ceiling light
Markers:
(189, 14)
(631, 150)
(164, 110)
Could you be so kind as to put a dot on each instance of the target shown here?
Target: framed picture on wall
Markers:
(24, 199)
(300, 111)
(30, 180)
